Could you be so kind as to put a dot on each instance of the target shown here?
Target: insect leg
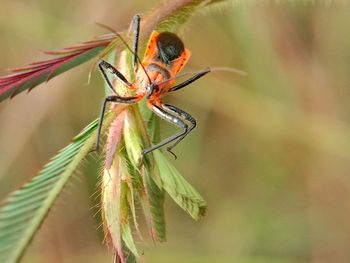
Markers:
(172, 119)
(190, 80)
(104, 65)
(112, 98)
(182, 114)
(136, 23)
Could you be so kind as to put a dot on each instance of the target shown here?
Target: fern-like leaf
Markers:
(27, 78)
(25, 209)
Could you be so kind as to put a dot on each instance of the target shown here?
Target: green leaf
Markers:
(132, 138)
(26, 208)
(124, 212)
(111, 204)
(128, 239)
(156, 198)
(178, 188)
(129, 256)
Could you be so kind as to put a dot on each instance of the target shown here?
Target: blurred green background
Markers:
(271, 153)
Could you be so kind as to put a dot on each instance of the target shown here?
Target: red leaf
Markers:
(38, 72)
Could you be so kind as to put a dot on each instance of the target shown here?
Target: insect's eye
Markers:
(170, 47)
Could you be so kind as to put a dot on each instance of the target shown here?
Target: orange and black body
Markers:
(164, 58)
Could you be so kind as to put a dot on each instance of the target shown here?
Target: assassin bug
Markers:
(164, 58)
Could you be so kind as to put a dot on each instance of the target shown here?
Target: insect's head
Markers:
(151, 88)
(170, 47)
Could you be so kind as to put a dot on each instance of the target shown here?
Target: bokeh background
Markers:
(271, 153)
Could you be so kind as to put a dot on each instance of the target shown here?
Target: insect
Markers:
(164, 58)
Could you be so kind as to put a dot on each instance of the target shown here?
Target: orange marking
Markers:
(179, 63)
(151, 50)
(151, 57)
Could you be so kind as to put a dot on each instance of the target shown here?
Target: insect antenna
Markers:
(137, 57)
(108, 28)
(127, 46)
(204, 71)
